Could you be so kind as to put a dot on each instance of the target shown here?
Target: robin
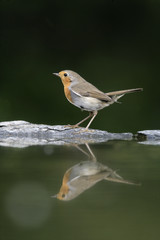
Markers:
(86, 96)
(83, 176)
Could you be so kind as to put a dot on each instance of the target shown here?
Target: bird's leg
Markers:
(93, 158)
(90, 154)
(94, 115)
(83, 120)
(83, 151)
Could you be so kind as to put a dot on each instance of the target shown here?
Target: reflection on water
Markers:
(84, 175)
(100, 209)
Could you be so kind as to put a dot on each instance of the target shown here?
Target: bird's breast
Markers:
(67, 93)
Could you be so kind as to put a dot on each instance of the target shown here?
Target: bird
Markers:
(86, 96)
(83, 176)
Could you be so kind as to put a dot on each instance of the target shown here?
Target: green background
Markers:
(113, 44)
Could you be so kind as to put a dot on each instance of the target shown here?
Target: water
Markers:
(107, 210)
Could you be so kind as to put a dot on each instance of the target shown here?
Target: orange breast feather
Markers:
(66, 83)
(67, 93)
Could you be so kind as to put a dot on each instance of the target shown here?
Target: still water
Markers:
(114, 192)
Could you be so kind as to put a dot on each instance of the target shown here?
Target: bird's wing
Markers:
(85, 182)
(88, 90)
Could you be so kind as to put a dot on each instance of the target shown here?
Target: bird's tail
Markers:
(114, 177)
(118, 94)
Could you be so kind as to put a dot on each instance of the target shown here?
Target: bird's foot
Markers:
(85, 130)
(71, 126)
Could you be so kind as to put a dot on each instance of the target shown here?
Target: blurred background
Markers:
(113, 44)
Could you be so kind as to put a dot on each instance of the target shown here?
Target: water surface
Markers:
(106, 210)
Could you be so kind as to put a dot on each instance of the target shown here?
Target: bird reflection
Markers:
(84, 175)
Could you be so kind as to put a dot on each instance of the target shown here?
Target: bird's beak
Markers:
(57, 74)
(54, 196)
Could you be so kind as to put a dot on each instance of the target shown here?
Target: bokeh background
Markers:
(113, 44)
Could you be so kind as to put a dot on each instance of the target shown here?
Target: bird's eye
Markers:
(65, 74)
(63, 195)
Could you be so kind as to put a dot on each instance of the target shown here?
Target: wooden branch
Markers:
(149, 137)
(22, 134)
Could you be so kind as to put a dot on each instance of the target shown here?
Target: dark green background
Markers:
(113, 44)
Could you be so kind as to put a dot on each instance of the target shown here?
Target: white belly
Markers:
(88, 103)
